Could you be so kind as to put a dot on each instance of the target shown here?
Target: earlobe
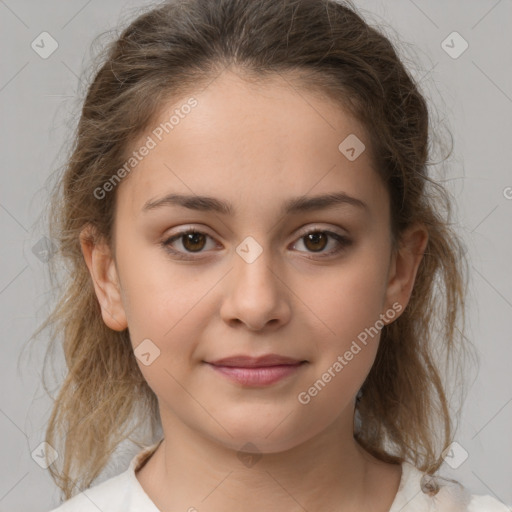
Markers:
(101, 265)
(404, 265)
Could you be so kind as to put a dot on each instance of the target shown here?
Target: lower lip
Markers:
(260, 376)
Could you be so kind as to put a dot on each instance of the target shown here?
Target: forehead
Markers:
(252, 144)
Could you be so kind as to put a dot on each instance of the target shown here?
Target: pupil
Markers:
(193, 237)
(315, 238)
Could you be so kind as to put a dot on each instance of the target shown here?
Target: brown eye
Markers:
(316, 241)
(193, 241)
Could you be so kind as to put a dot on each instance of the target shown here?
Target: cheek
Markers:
(169, 305)
(349, 305)
(158, 293)
(351, 297)
(347, 336)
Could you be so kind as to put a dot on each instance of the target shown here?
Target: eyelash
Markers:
(342, 240)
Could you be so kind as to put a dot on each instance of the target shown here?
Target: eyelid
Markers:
(303, 230)
(317, 227)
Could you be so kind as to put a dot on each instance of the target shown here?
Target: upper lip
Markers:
(243, 361)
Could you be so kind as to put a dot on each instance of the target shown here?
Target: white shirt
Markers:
(124, 493)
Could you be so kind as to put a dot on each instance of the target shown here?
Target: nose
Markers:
(256, 294)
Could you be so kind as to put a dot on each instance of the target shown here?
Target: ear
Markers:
(404, 265)
(103, 272)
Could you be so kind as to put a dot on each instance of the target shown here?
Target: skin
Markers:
(256, 146)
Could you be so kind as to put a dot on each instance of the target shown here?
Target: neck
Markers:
(329, 471)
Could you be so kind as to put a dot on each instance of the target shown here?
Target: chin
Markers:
(261, 437)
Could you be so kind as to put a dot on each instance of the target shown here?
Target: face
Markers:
(313, 281)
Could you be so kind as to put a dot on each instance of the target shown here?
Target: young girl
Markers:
(260, 270)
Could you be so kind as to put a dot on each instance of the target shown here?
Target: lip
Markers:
(257, 371)
(243, 361)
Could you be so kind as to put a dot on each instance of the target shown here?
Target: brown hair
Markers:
(325, 46)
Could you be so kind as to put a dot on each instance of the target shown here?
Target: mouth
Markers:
(244, 361)
(257, 371)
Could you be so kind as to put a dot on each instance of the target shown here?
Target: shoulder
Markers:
(419, 492)
(487, 504)
(105, 496)
(121, 493)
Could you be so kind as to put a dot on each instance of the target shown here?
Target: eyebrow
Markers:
(294, 205)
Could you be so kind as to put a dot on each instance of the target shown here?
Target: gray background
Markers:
(473, 97)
